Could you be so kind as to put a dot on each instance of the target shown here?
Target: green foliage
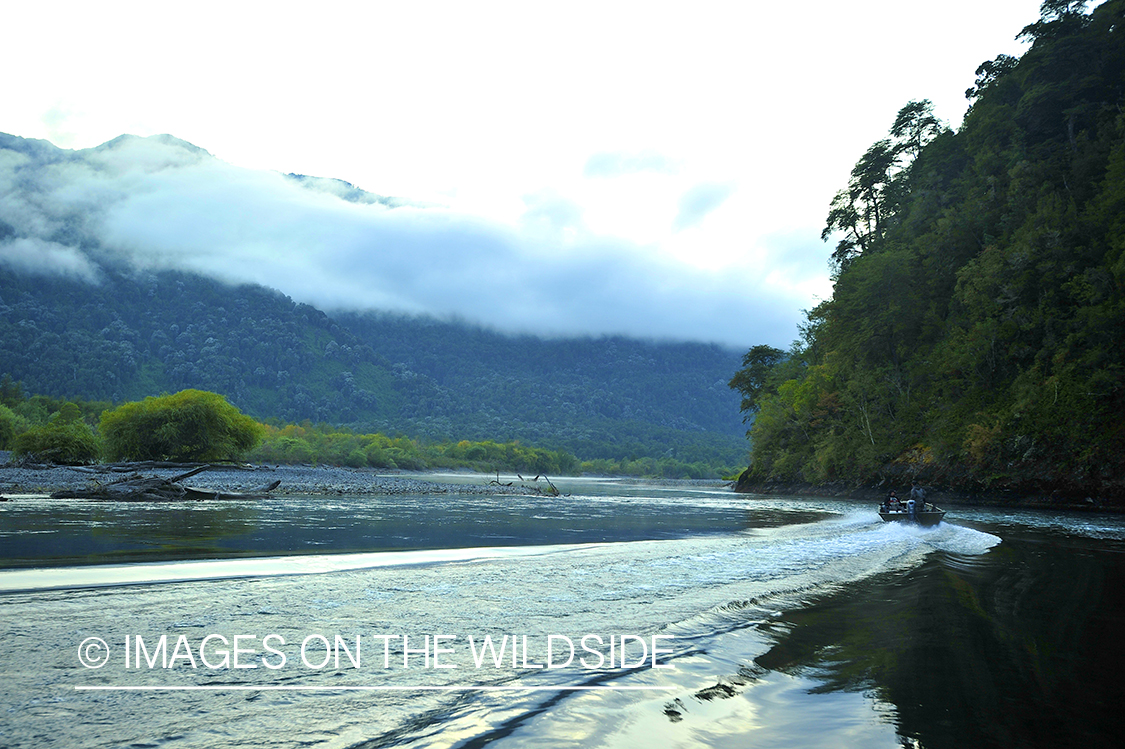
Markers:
(11, 392)
(10, 425)
(19, 414)
(136, 335)
(978, 316)
(665, 468)
(191, 425)
(67, 441)
(324, 444)
(754, 378)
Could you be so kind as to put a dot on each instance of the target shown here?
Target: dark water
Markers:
(38, 531)
(794, 623)
(1019, 647)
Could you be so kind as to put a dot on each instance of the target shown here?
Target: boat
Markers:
(930, 516)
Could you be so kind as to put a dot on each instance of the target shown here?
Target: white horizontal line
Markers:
(297, 688)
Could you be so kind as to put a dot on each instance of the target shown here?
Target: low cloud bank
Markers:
(159, 203)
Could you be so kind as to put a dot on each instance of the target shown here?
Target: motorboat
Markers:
(932, 515)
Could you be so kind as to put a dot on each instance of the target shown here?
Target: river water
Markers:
(361, 622)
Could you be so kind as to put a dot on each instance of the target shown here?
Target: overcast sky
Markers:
(654, 169)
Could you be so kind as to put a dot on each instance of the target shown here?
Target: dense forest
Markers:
(137, 334)
(975, 334)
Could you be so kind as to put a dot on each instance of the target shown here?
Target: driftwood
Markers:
(138, 488)
(551, 489)
(134, 466)
(194, 493)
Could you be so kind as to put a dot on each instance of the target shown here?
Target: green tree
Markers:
(10, 425)
(862, 210)
(192, 425)
(988, 72)
(65, 439)
(11, 392)
(915, 126)
(752, 381)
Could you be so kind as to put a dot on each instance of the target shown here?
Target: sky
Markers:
(656, 170)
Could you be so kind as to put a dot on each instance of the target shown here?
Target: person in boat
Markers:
(918, 494)
(892, 502)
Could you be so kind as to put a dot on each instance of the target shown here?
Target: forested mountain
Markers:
(976, 330)
(133, 334)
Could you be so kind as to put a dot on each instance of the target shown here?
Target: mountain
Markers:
(123, 274)
(133, 334)
(159, 203)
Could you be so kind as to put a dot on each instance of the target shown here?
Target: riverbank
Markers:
(939, 495)
(295, 479)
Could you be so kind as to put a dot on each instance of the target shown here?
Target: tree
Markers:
(915, 126)
(1054, 15)
(11, 392)
(65, 439)
(988, 72)
(752, 380)
(862, 209)
(192, 425)
(11, 424)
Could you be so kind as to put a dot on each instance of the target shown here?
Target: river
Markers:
(675, 616)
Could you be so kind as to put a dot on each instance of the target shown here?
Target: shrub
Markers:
(10, 425)
(379, 458)
(192, 425)
(64, 442)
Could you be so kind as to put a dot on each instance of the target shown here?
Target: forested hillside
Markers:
(976, 330)
(134, 334)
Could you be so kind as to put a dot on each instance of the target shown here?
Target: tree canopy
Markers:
(140, 334)
(191, 425)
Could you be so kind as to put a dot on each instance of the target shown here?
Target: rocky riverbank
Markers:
(298, 479)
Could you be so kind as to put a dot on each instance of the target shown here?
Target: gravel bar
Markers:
(298, 479)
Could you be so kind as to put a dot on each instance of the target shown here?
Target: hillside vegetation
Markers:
(199, 426)
(975, 334)
(615, 401)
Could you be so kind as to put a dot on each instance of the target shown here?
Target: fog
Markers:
(159, 203)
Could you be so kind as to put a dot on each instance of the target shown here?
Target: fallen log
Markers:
(138, 488)
(189, 474)
(144, 465)
(193, 493)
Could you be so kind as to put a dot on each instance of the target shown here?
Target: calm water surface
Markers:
(789, 622)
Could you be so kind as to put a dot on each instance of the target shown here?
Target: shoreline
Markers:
(299, 480)
(326, 480)
(942, 496)
(295, 480)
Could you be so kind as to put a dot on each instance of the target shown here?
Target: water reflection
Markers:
(1009, 649)
(43, 532)
(48, 533)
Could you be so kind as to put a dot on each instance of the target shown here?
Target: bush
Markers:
(11, 424)
(377, 457)
(67, 443)
(192, 425)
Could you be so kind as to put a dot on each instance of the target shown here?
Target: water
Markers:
(788, 623)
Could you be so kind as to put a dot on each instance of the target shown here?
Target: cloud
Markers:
(699, 201)
(548, 211)
(159, 203)
(34, 255)
(617, 164)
